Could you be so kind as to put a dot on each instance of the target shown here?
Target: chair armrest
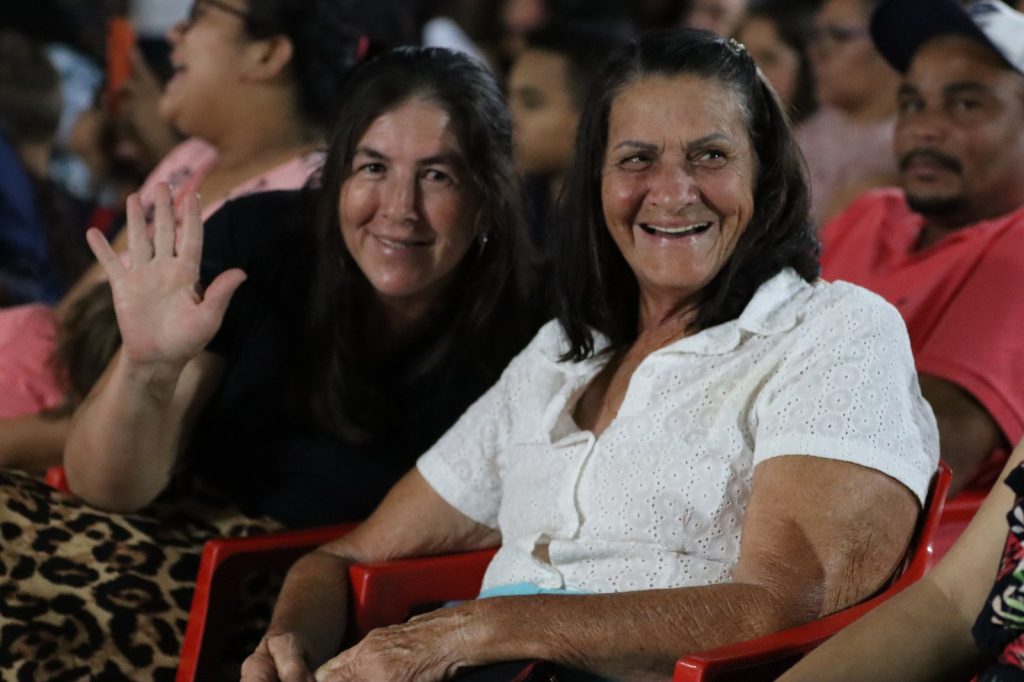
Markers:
(223, 565)
(56, 479)
(385, 593)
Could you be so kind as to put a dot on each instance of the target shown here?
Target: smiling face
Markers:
(848, 71)
(208, 56)
(959, 139)
(407, 208)
(677, 186)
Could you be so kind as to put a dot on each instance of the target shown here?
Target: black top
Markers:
(252, 442)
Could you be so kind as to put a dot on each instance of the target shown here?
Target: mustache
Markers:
(944, 160)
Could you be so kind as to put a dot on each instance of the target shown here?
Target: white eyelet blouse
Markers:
(658, 500)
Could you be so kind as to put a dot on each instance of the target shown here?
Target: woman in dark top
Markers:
(378, 305)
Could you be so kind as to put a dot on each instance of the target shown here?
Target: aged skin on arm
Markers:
(819, 535)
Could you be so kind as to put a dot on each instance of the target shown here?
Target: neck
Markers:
(664, 318)
(394, 322)
(876, 109)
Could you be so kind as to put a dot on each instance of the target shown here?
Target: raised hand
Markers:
(163, 317)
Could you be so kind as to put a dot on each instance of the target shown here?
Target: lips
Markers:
(402, 243)
(675, 231)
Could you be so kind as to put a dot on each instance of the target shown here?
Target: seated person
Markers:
(255, 88)
(709, 443)
(378, 305)
(547, 85)
(944, 245)
(847, 141)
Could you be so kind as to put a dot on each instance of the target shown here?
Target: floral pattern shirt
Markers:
(999, 628)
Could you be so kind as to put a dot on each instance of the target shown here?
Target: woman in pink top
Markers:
(254, 89)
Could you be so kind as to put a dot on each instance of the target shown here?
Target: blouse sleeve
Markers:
(465, 465)
(847, 390)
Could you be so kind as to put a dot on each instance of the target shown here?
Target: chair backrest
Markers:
(765, 658)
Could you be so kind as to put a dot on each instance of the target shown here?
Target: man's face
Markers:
(959, 137)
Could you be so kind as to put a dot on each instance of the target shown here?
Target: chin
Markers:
(936, 205)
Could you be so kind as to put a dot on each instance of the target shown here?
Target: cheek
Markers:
(451, 217)
(621, 198)
(356, 207)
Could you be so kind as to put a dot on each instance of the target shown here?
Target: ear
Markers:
(271, 57)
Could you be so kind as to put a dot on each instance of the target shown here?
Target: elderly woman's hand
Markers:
(429, 647)
(278, 658)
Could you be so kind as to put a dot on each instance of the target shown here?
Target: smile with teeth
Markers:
(675, 231)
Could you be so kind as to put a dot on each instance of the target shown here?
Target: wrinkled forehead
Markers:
(952, 57)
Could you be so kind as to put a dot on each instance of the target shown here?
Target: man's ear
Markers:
(271, 57)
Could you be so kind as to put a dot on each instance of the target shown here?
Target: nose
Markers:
(398, 200)
(673, 187)
(928, 125)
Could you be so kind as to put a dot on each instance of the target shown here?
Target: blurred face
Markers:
(207, 54)
(779, 62)
(678, 181)
(719, 16)
(959, 136)
(847, 69)
(543, 112)
(407, 209)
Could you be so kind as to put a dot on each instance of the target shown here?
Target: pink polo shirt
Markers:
(962, 298)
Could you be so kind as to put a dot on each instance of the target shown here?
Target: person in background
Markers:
(848, 141)
(708, 444)
(547, 86)
(777, 35)
(718, 16)
(378, 303)
(255, 89)
(41, 229)
(947, 247)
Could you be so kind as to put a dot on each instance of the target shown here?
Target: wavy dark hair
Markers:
(596, 289)
(483, 313)
(329, 38)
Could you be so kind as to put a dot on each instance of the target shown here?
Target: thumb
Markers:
(220, 291)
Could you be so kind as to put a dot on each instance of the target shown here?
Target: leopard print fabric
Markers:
(91, 595)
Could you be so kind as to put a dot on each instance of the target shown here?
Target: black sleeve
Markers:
(256, 233)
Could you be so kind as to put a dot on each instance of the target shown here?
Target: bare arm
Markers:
(126, 436)
(819, 535)
(309, 619)
(924, 633)
(967, 433)
(32, 443)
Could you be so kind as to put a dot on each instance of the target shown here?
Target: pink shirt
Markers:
(28, 333)
(961, 297)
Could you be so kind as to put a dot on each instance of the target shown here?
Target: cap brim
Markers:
(899, 27)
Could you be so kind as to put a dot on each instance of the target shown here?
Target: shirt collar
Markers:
(774, 308)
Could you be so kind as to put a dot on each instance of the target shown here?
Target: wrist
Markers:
(156, 379)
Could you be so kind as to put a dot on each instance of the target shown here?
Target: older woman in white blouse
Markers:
(707, 445)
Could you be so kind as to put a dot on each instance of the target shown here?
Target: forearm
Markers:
(125, 437)
(919, 635)
(313, 605)
(632, 635)
(32, 443)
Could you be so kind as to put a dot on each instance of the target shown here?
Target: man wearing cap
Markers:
(947, 248)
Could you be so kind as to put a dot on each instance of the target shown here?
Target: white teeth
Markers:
(392, 244)
(685, 229)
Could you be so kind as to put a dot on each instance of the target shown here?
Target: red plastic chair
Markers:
(387, 593)
(957, 514)
(765, 658)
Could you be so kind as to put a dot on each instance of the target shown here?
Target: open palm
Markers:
(161, 313)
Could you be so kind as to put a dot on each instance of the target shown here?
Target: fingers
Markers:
(191, 246)
(289, 659)
(139, 247)
(108, 260)
(163, 224)
(220, 291)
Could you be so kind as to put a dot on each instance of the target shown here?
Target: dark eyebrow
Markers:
(646, 146)
(964, 86)
(712, 137)
(906, 89)
(449, 158)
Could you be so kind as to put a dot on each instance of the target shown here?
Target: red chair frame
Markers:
(765, 658)
(385, 593)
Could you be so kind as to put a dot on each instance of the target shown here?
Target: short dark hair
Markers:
(483, 311)
(584, 47)
(597, 290)
(329, 38)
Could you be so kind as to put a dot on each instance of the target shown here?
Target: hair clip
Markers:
(362, 48)
(738, 46)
